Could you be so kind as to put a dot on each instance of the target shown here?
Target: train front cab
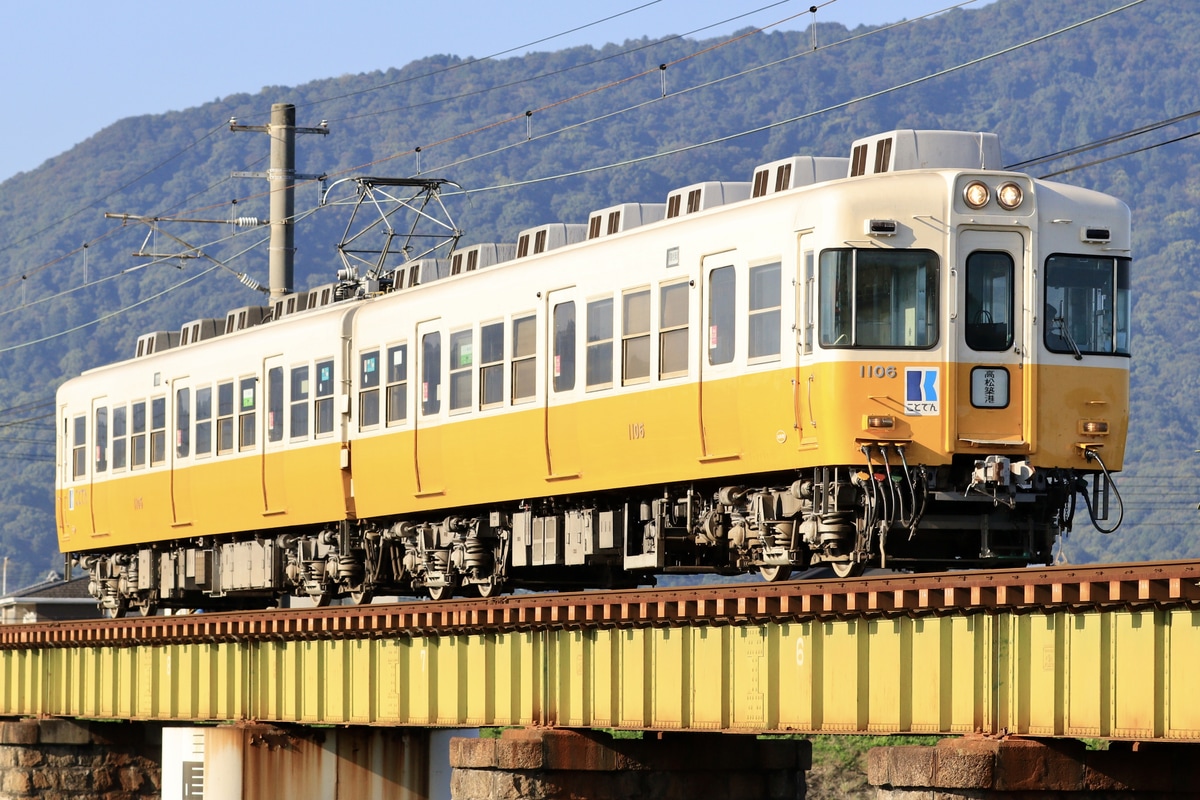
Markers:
(964, 411)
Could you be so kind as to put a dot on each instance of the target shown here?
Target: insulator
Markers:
(247, 222)
(248, 281)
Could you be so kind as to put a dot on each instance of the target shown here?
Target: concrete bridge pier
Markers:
(977, 768)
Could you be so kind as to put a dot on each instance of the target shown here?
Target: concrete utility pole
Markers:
(282, 180)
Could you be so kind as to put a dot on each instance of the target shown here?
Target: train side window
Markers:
(722, 314)
(299, 403)
(204, 421)
(564, 346)
(101, 439)
(397, 384)
(275, 404)
(248, 393)
(600, 344)
(158, 431)
(431, 373)
(368, 390)
(324, 402)
(79, 450)
(137, 439)
(225, 418)
(120, 444)
(673, 331)
(461, 362)
(765, 317)
(524, 359)
(183, 423)
(879, 298)
(635, 337)
(491, 365)
(990, 296)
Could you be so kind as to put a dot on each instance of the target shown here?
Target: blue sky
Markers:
(73, 67)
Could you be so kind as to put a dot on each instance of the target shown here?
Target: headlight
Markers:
(1009, 196)
(976, 194)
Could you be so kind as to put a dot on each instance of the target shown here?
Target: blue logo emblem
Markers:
(921, 398)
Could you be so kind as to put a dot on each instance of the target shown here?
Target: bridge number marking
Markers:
(799, 652)
(637, 430)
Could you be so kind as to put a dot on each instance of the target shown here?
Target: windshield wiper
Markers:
(1066, 335)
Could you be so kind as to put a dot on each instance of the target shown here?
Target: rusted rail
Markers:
(1161, 584)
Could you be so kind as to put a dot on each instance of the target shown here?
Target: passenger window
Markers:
(765, 308)
(461, 362)
(635, 342)
(722, 314)
(368, 390)
(225, 418)
(101, 439)
(524, 361)
(431, 373)
(248, 393)
(673, 331)
(120, 443)
(600, 344)
(564, 347)
(491, 365)
(397, 390)
(989, 301)
(324, 401)
(138, 439)
(299, 403)
(158, 431)
(79, 447)
(183, 423)
(275, 404)
(204, 421)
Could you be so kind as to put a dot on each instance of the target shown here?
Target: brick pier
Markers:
(590, 765)
(1021, 769)
(66, 760)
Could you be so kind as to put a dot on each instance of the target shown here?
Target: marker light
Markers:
(976, 194)
(1094, 426)
(1009, 196)
(881, 422)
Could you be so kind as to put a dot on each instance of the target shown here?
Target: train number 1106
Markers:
(876, 371)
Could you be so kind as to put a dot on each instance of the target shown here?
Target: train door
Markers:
(991, 374)
(561, 410)
(180, 454)
(720, 420)
(427, 433)
(805, 285)
(274, 456)
(98, 467)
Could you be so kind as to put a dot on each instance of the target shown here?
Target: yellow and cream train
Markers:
(909, 358)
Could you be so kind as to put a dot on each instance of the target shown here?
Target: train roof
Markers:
(893, 151)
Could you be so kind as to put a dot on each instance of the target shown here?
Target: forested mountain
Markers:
(1044, 76)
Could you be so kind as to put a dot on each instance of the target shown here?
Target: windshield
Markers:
(878, 298)
(1086, 309)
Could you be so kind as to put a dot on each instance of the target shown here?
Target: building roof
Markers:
(76, 588)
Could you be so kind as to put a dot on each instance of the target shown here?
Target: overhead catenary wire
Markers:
(693, 146)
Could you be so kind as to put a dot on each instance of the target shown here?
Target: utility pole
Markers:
(282, 179)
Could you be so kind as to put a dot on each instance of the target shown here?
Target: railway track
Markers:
(1062, 588)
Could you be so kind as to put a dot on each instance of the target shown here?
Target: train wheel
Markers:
(147, 609)
(486, 590)
(848, 569)
(440, 592)
(775, 573)
(361, 596)
(118, 611)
